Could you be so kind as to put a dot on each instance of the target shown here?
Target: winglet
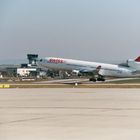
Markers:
(137, 59)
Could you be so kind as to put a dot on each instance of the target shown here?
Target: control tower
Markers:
(33, 58)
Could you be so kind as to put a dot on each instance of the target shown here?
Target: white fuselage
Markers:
(70, 64)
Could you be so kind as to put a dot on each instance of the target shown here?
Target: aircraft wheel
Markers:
(100, 79)
(92, 79)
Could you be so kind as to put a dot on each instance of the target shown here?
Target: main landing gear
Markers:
(99, 78)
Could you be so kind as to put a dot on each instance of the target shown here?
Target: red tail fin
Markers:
(137, 59)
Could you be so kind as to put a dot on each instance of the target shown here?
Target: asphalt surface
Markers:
(69, 114)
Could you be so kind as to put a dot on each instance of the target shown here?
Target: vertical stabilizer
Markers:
(137, 59)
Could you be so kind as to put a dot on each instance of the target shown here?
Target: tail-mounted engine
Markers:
(133, 64)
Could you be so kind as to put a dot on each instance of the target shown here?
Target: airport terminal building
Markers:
(22, 71)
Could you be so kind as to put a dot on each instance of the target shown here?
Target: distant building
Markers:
(8, 70)
(26, 72)
(29, 69)
(33, 58)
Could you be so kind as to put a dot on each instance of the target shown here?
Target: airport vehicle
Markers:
(97, 71)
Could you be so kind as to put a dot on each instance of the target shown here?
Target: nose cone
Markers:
(40, 60)
(40, 63)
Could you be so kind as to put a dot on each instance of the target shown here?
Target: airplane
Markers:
(98, 71)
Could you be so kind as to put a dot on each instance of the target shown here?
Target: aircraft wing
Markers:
(87, 70)
(92, 71)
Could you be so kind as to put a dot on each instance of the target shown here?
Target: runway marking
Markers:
(4, 86)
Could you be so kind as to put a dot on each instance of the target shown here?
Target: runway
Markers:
(69, 114)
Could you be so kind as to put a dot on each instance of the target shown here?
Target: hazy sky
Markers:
(101, 30)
